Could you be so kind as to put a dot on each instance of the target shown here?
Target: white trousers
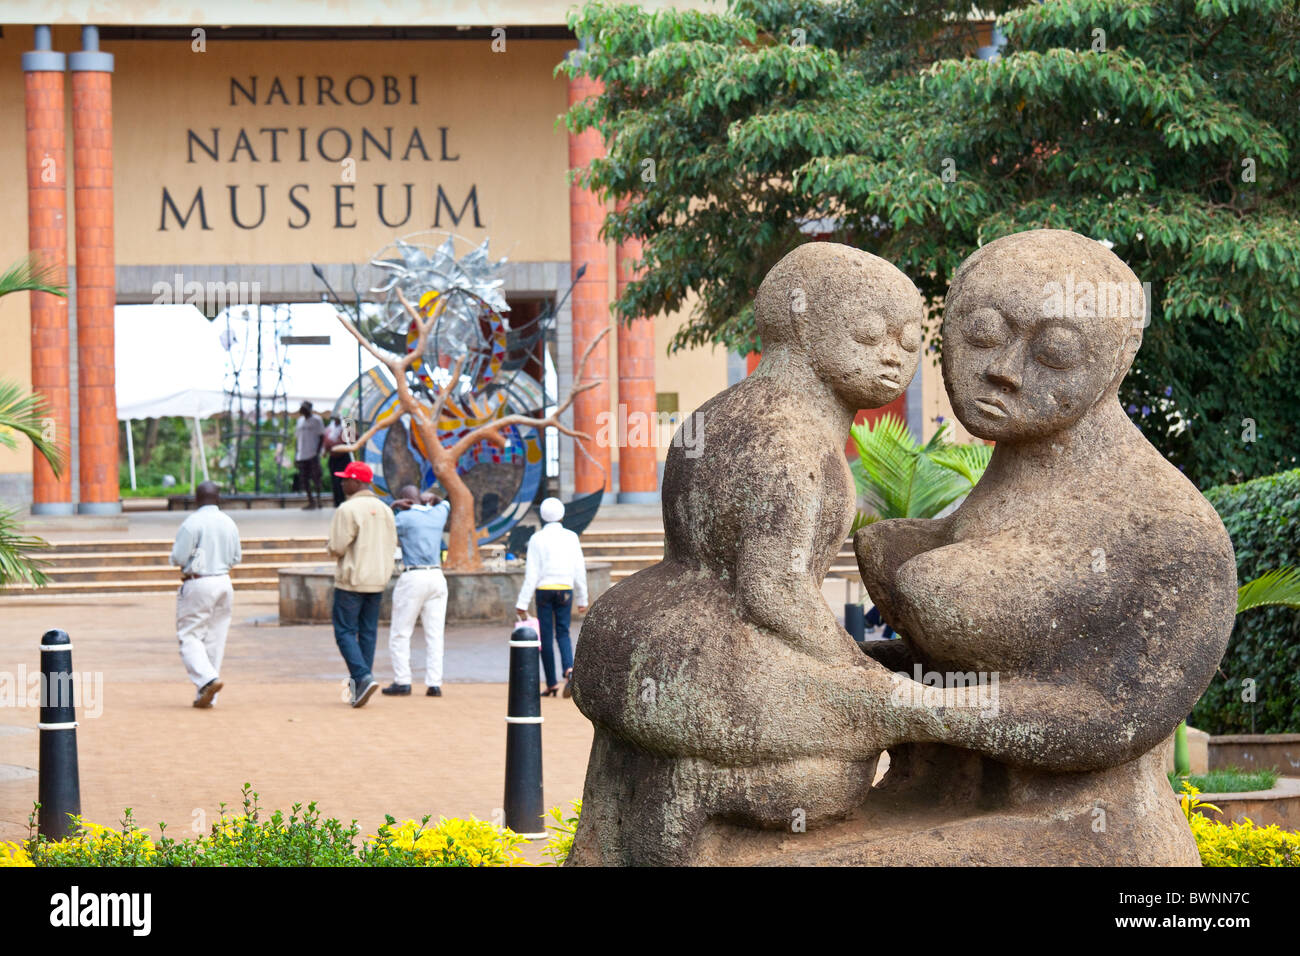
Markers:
(418, 594)
(203, 607)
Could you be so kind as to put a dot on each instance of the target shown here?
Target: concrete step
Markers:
(164, 545)
(157, 572)
(128, 587)
(272, 557)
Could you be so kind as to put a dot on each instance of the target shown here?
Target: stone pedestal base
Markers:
(473, 597)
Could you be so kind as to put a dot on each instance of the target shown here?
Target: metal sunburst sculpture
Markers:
(460, 412)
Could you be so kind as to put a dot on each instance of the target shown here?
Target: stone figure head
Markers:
(1038, 328)
(853, 317)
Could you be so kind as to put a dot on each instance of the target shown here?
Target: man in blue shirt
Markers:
(421, 591)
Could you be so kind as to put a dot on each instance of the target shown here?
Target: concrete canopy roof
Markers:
(340, 13)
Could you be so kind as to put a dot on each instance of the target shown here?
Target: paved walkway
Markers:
(280, 724)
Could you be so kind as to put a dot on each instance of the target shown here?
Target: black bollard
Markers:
(525, 813)
(59, 790)
(855, 622)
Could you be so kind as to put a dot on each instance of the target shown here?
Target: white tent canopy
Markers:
(168, 362)
(290, 374)
(171, 361)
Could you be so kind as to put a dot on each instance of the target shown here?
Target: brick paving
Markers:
(280, 724)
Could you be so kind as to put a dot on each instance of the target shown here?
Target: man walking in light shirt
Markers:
(206, 548)
(363, 538)
(557, 573)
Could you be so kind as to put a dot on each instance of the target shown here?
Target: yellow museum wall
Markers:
(499, 110)
(15, 312)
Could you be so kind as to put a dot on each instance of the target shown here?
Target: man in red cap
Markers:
(363, 539)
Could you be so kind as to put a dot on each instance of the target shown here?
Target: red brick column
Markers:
(92, 144)
(47, 241)
(590, 303)
(638, 473)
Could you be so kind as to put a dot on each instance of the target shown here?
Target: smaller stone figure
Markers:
(727, 698)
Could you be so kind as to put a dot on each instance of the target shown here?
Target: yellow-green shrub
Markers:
(561, 841)
(454, 842)
(1238, 844)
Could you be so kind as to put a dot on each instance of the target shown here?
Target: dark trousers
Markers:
(338, 463)
(553, 611)
(356, 628)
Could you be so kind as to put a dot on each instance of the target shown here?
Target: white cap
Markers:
(552, 509)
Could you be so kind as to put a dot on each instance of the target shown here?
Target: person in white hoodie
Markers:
(557, 573)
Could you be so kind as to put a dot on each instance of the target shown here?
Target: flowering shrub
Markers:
(451, 843)
(13, 854)
(299, 839)
(1238, 844)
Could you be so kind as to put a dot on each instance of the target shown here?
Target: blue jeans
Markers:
(553, 610)
(356, 628)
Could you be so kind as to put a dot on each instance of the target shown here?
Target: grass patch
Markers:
(1229, 780)
(155, 491)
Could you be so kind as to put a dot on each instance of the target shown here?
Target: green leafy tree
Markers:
(1168, 128)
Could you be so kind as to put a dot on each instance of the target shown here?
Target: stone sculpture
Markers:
(1085, 585)
(1084, 570)
(720, 683)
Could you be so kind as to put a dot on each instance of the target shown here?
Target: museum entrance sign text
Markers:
(410, 200)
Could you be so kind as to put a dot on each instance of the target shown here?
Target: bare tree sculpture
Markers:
(462, 547)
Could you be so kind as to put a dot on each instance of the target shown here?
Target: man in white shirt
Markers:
(309, 434)
(421, 591)
(557, 573)
(206, 548)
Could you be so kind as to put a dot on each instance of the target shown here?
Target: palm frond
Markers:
(1279, 586)
(902, 479)
(888, 454)
(25, 413)
(30, 275)
(934, 489)
(860, 520)
(969, 461)
(18, 561)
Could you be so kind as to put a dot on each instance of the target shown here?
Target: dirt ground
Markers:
(280, 724)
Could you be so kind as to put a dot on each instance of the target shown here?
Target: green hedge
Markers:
(1263, 520)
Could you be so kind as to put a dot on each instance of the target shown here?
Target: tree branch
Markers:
(389, 360)
(444, 392)
(493, 429)
(379, 423)
(423, 325)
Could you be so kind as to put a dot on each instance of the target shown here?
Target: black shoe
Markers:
(433, 692)
(397, 690)
(359, 700)
(207, 692)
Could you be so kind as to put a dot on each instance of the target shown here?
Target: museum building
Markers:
(237, 156)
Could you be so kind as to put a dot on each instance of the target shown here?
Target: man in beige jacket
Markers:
(363, 538)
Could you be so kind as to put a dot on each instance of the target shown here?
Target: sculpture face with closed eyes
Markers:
(1032, 341)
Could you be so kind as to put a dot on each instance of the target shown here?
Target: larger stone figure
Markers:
(722, 688)
(1084, 570)
(1084, 579)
